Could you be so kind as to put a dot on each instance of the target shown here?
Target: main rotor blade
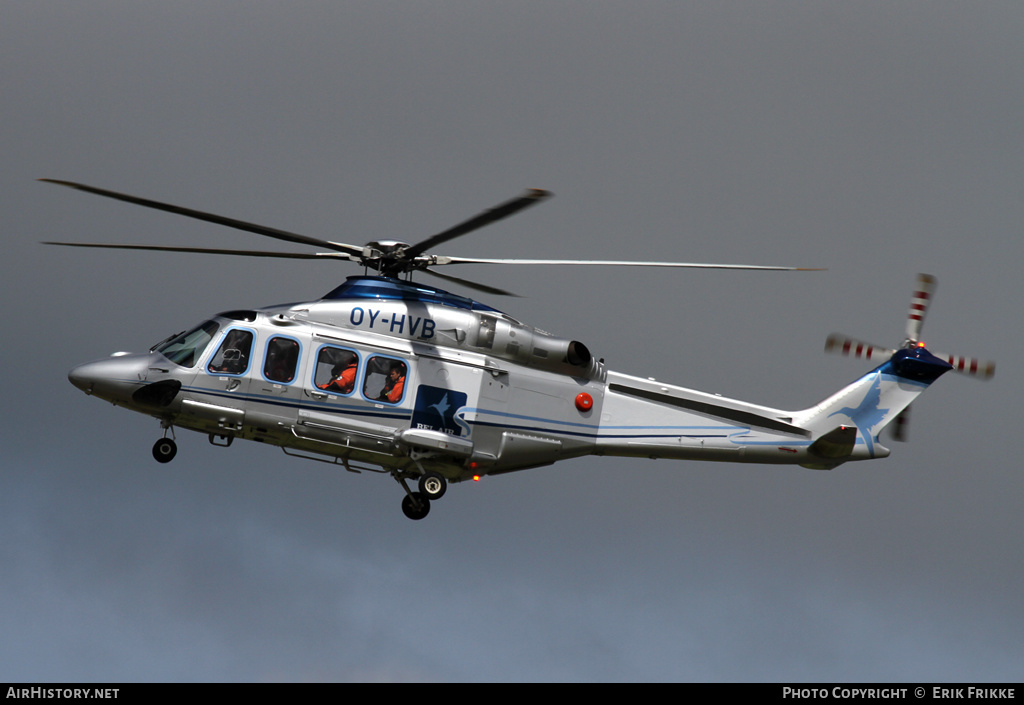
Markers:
(504, 210)
(471, 284)
(213, 218)
(212, 251)
(621, 263)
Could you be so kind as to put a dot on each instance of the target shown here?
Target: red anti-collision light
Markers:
(584, 401)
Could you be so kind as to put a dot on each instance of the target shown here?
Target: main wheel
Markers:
(433, 485)
(164, 450)
(415, 506)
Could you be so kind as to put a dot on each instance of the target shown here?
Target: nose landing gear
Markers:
(164, 450)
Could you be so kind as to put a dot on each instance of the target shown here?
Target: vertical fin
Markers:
(876, 399)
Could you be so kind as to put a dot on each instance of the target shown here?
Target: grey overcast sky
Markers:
(877, 139)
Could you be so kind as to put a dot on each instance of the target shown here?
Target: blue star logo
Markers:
(867, 414)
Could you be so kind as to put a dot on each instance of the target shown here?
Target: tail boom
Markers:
(643, 418)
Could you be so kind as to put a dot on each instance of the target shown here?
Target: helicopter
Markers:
(386, 375)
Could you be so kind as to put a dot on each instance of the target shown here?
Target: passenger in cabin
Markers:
(343, 376)
(392, 391)
(282, 359)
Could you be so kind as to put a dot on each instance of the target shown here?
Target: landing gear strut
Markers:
(416, 505)
(431, 485)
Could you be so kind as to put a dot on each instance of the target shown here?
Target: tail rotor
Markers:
(919, 303)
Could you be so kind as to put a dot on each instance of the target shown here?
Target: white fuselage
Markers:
(462, 391)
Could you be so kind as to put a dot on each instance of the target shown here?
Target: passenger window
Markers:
(233, 356)
(385, 379)
(336, 370)
(282, 359)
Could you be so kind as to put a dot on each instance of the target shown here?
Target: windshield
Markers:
(187, 348)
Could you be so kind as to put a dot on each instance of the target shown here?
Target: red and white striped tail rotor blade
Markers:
(856, 348)
(900, 425)
(919, 305)
(970, 366)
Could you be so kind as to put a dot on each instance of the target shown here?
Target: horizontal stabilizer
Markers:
(833, 448)
(837, 443)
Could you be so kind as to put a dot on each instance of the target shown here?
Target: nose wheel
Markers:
(164, 450)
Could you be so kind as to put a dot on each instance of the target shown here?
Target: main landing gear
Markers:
(433, 485)
(416, 505)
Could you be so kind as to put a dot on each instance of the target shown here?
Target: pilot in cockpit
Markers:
(234, 353)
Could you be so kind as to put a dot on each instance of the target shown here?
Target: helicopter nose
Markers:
(114, 378)
(84, 376)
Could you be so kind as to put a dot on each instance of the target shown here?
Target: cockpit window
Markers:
(233, 356)
(187, 348)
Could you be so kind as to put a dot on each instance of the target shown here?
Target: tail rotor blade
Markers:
(900, 425)
(970, 366)
(851, 347)
(919, 305)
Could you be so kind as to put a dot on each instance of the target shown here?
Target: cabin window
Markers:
(186, 349)
(336, 370)
(232, 358)
(282, 360)
(385, 379)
